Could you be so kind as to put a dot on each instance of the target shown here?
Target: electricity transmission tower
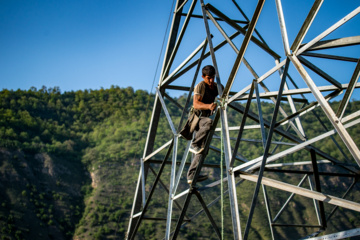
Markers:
(297, 58)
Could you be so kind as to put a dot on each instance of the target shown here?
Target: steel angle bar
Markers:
(237, 157)
(261, 141)
(306, 25)
(242, 125)
(211, 48)
(231, 179)
(134, 208)
(211, 17)
(300, 129)
(282, 111)
(263, 133)
(155, 116)
(281, 132)
(318, 188)
(328, 31)
(348, 141)
(297, 91)
(296, 87)
(244, 45)
(133, 233)
(192, 86)
(181, 167)
(288, 200)
(327, 56)
(213, 202)
(166, 112)
(304, 192)
(196, 62)
(193, 184)
(247, 19)
(208, 214)
(241, 30)
(181, 194)
(320, 72)
(296, 225)
(308, 108)
(217, 199)
(253, 116)
(267, 205)
(181, 6)
(280, 140)
(228, 39)
(351, 116)
(158, 219)
(158, 150)
(253, 164)
(332, 137)
(336, 174)
(165, 188)
(168, 79)
(171, 39)
(217, 19)
(171, 188)
(260, 79)
(173, 101)
(237, 128)
(349, 91)
(283, 31)
(181, 34)
(296, 163)
(142, 181)
(335, 43)
(339, 235)
(266, 151)
(316, 205)
(343, 197)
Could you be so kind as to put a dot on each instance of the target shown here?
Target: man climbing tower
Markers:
(203, 103)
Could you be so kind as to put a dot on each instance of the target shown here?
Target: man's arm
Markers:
(198, 104)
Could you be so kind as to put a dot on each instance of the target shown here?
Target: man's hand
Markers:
(213, 106)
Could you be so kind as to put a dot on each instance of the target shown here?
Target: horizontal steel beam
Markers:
(297, 91)
(304, 192)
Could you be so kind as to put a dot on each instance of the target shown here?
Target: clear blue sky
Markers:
(89, 44)
(80, 44)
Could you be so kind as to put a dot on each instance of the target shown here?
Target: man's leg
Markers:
(200, 136)
(193, 166)
(199, 141)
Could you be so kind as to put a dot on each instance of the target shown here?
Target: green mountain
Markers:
(69, 164)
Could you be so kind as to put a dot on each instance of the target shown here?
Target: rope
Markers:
(222, 184)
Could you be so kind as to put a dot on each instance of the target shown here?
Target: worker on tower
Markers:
(199, 120)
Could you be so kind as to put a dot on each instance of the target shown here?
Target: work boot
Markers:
(199, 179)
(196, 149)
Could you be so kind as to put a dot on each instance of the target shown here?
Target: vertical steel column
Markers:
(267, 204)
(318, 187)
(171, 189)
(266, 151)
(131, 234)
(344, 102)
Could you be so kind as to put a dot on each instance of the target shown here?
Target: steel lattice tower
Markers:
(317, 62)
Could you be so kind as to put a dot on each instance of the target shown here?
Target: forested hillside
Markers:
(52, 145)
(69, 162)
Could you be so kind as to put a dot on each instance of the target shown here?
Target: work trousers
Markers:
(202, 131)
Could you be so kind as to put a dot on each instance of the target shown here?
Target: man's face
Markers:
(209, 80)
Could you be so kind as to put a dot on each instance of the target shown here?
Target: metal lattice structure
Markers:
(297, 79)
